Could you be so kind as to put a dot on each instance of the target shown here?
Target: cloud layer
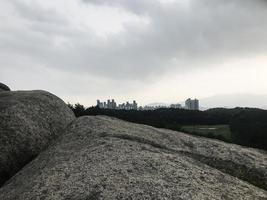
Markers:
(131, 41)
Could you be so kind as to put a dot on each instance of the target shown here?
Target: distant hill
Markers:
(227, 101)
(235, 100)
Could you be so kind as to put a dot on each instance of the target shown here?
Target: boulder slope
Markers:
(28, 121)
(105, 158)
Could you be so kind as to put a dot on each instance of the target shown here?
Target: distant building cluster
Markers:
(161, 106)
(111, 104)
(108, 105)
(176, 106)
(151, 107)
(190, 104)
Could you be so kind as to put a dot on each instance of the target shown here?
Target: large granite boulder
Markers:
(4, 87)
(28, 121)
(105, 158)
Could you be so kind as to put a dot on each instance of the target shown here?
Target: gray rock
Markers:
(28, 121)
(4, 87)
(105, 158)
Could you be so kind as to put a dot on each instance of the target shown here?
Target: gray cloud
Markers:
(201, 31)
(174, 36)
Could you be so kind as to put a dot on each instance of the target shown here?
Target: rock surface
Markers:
(106, 158)
(4, 87)
(28, 121)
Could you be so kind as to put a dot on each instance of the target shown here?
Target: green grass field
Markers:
(209, 130)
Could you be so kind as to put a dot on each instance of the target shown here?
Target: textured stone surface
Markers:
(28, 121)
(4, 87)
(105, 158)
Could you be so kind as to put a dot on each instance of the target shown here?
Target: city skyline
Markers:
(215, 101)
(189, 104)
(112, 104)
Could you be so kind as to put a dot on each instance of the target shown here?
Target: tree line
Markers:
(248, 125)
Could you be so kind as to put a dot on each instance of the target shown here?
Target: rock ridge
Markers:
(100, 157)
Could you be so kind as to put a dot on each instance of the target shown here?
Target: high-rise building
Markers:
(192, 104)
(111, 104)
(127, 107)
(100, 104)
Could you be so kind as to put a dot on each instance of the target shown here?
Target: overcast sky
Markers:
(147, 50)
